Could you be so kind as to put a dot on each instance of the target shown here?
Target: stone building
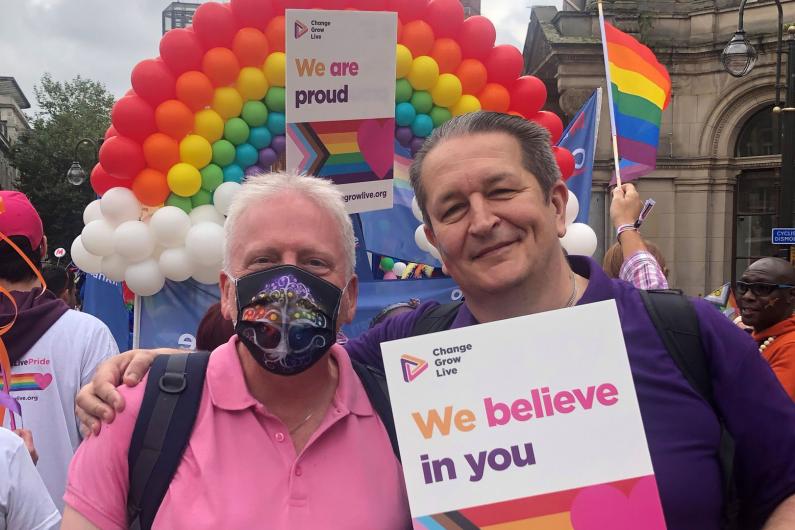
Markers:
(717, 179)
(12, 124)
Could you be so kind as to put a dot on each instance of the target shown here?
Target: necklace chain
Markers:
(308, 416)
(572, 298)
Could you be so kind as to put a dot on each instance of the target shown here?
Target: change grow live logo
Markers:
(412, 367)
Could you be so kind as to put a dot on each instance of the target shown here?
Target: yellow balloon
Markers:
(252, 83)
(465, 105)
(403, 63)
(195, 150)
(184, 179)
(424, 73)
(274, 68)
(227, 102)
(447, 90)
(209, 125)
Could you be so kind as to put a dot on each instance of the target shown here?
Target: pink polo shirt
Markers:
(240, 469)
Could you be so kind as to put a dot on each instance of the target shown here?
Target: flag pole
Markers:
(613, 132)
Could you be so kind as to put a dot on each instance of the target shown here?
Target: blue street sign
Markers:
(783, 236)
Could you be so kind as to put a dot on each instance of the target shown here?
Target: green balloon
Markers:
(274, 99)
(183, 203)
(387, 264)
(236, 131)
(223, 152)
(439, 115)
(422, 102)
(403, 91)
(212, 177)
(201, 198)
(255, 113)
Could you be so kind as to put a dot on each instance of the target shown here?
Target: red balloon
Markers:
(477, 37)
(252, 13)
(111, 132)
(550, 122)
(181, 50)
(122, 157)
(408, 10)
(102, 182)
(215, 25)
(153, 81)
(565, 161)
(133, 117)
(370, 5)
(528, 95)
(445, 17)
(504, 64)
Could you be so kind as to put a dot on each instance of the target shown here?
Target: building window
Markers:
(757, 214)
(756, 137)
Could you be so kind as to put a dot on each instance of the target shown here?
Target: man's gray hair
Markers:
(260, 188)
(537, 156)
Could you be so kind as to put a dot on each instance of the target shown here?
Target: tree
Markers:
(69, 111)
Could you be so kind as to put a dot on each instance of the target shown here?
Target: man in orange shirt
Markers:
(766, 299)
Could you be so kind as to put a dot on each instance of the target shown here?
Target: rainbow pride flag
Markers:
(640, 88)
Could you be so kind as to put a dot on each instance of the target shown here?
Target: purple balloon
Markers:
(278, 143)
(416, 144)
(404, 136)
(267, 157)
(253, 170)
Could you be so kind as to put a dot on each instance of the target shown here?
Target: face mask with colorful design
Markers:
(286, 317)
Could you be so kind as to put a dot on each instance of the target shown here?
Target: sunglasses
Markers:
(760, 288)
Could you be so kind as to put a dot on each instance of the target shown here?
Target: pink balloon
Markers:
(390, 276)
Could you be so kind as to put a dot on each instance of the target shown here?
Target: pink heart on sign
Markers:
(605, 506)
(42, 380)
(377, 144)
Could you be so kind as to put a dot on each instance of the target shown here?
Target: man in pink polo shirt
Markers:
(285, 436)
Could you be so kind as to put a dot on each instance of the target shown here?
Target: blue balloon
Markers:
(405, 114)
(260, 137)
(233, 173)
(246, 155)
(422, 125)
(275, 122)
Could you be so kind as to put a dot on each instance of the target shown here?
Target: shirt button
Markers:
(279, 437)
(298, 471)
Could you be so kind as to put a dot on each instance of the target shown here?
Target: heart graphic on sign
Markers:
(42, 380)
(376, 143)
(605, 506)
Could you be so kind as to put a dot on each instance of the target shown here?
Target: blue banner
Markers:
(580, 138)
(169, 319)
(103, 298)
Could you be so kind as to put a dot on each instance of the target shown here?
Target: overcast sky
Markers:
(104, 39)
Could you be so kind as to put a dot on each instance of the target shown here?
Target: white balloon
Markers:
(176, 264)
(114, 267)
(206, 213)
(205, 244)
(435, 253)
(144, 278)
(134, 241)
(421, 240)
(415, 209)
(207, 275)
(399, 268)
(169, 226)
(85, 260)
(572, 208)
(580, 240)
(119, 205)
(97, 237)
(223, 195)
(92, 212)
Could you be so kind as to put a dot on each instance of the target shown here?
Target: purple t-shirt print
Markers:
(682, 430)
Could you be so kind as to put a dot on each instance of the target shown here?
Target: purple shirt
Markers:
(682, 430)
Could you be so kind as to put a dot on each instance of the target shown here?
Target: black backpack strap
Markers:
(162, 430)
(438, 318)
(374, 383)
(677, 325)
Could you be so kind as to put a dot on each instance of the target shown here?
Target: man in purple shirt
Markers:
(494, 206)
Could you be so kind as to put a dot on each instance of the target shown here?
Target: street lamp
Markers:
(738, 59)
(75, 174)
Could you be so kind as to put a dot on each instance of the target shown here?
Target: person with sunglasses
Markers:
(766, 297)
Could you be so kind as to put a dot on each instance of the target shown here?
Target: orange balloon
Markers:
(151, 187)
(174, 118)
(473, 76)
(161, 151)
(195, 90)
(418, 37)
(221, 66)
(275, 34)
(251, 47)
(495, 97)
(447, 53)
(399, 30)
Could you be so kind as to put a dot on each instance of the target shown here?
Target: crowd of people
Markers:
(283, 426)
